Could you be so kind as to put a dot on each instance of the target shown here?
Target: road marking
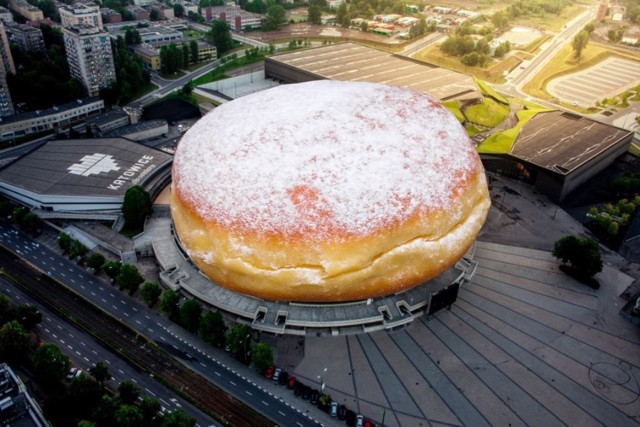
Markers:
(62, 341)
(54, 336)
(103, 300)
(146, 317)
(71, 335)
(107, 361)
(51, 258)
(123, 302)
(121, 371)
(86, 359)
(138, 322)
(133, 379)
(62, 274)
(281, 413)
(112, 295)
(46, 330)
(299, 424)
(150, 330)
(101, 288)
(53, 268)
(265, 403)
(150, 392)
(59, 327)
(203, 364)
(78, 353)
(248, 392)
(134, 309)
(217, 373)
(93, 293)
(126, 314)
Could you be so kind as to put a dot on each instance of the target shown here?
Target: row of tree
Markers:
(85, 401)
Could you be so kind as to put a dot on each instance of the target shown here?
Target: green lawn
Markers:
(489, 113)
(219, 72)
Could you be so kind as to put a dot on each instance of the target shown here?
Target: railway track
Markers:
(137, 349)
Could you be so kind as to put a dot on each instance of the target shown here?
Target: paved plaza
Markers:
(604, 80)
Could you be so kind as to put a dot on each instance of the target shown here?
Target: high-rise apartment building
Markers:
(26, 37)
(6, 66)
(89, 56)
(80, 14)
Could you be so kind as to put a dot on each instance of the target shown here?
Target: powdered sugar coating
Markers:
(323, 161)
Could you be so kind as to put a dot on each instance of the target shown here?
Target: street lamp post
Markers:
(321, 378)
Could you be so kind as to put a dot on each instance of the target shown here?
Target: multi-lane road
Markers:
(190, 351)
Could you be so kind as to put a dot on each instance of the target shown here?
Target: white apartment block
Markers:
(6, 66)
(90, 57)
(80, 14)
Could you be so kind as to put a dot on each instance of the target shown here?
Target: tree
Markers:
(276, 17)
(341, 13)
(129, 416)
(154, 15)
(28, 316)
(186, 53)
(112, 269)
(150, 408)
(169, 304)
(128, 392)
(50, 363)
(64, 241)
(129, 278)
(212, 328)
(14, 342)
(220, 36)
(6, 312)
(136, 206)
(31, 223)
(178, 10)
(18, 214)
(239, 341)
(187, 89)
(190, 314)
(150, 292)
(582, 254)
(100, 372)
(315, 14)
(590, 27)
(500, 20)
(85, 393)
(364, 26)
(78, 249)
(194, 51)
(177, 418)
(96, 261)
(105, 415)
(262, 356)
(579, 42)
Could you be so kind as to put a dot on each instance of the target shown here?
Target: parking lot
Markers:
(606, 79)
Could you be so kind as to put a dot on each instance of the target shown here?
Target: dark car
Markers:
(298, 389)
(315, 394)
(291, 383)
(284, 377)
(342, 412)
(306, 392)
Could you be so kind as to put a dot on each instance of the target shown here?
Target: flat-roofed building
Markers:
(83, 175)
(105, 122)
(49, 120)
(90, 57)
(139, 13)
(110, 16)
(26, 37)
(353, 62)
(80, 14)
(237, 18)
(158, 34)
(27, 10)
(17, 407)
(558, 151)
(150, 56)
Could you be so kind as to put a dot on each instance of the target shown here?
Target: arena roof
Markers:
(562, 141)
(353, 62)
(83, 168)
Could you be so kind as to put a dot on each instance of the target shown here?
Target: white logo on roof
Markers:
(93, 165)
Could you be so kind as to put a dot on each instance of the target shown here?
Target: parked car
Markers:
(359, 421)
(284, 377)
(291, 383)
(334, 409)
(298, 389)
(315, 394)
(268, 373)
(276, 374)
(342, 412)
(73, 372)
(306, 392)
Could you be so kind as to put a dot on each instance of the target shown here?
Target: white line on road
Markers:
(248, 392)
(281, 413)
(121, 371)
(93, 293)
(265, 403)
(87, 359)
(217, 373)
(150, 392)
(203, 364)
(138, 322)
